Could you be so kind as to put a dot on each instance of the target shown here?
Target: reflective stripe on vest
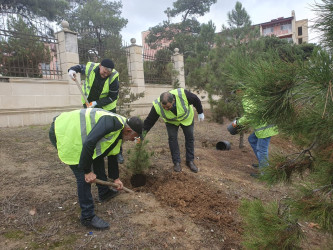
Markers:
(262, 128)
(86, 86)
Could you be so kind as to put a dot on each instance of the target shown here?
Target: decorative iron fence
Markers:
(28, 47)
(158, 65)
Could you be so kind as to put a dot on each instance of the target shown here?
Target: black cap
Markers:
(136, 124)
(107, 63)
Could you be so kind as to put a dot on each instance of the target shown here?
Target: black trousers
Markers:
(173, 141)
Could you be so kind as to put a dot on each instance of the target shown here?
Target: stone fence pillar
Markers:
(68, 53)
(178, 60)
(135, 67)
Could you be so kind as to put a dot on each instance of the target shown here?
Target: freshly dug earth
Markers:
(39, 208)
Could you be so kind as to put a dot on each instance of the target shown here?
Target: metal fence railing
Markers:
(157, 65)
(28, 47)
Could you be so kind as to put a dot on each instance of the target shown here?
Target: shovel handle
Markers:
(81, 91)
(107, 183)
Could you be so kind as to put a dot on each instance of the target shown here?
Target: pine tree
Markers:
(139, 158)
(23, 52)
(295, 93)
(238, 17)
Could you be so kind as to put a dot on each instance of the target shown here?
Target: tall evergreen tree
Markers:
(324, 22)
(238, 17)
(97, 20)
(181, 34)
(190, 8)
(211, 72)
(294, 91)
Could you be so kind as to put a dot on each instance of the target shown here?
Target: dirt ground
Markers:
(39, 208)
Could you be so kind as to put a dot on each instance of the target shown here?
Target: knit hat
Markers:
(107, 63)
(136, 124)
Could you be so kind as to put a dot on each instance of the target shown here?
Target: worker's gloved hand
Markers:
(201, 117)
(92, 104)
(72, 74)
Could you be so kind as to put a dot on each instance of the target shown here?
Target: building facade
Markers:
(287, 28)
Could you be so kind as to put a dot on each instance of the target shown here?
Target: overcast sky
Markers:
(143, 14)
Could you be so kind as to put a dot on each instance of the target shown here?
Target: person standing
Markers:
(101, 86)
(175, 108)
(260, 138)
(83, 138)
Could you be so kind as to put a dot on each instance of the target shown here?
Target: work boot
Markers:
(177, 167)
(120, 158)
(192, 166)
(111, 193)
(95, 222)
(255, 165)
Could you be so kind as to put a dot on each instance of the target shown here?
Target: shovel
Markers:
(107, 183)
(83, 95)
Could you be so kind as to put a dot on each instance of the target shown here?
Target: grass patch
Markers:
(14, 234)
(69, 240)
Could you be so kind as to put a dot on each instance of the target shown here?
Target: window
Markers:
(268, 30)
(300, 40)
(45, 68)
(300, 31)
(286, 27)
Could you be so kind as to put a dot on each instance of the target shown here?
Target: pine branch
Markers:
(329, 90)
(299, 155)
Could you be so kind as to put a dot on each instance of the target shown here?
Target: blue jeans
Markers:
(260, 149)
(173, 141)
(84, 189)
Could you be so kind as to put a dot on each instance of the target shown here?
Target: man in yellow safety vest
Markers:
(83, 138)
(175, 108)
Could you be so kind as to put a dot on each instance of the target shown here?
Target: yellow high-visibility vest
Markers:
(72, 129)
(260, 130)
(90, 77)
(185, 112)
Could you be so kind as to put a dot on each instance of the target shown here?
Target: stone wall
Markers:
(31, 101)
